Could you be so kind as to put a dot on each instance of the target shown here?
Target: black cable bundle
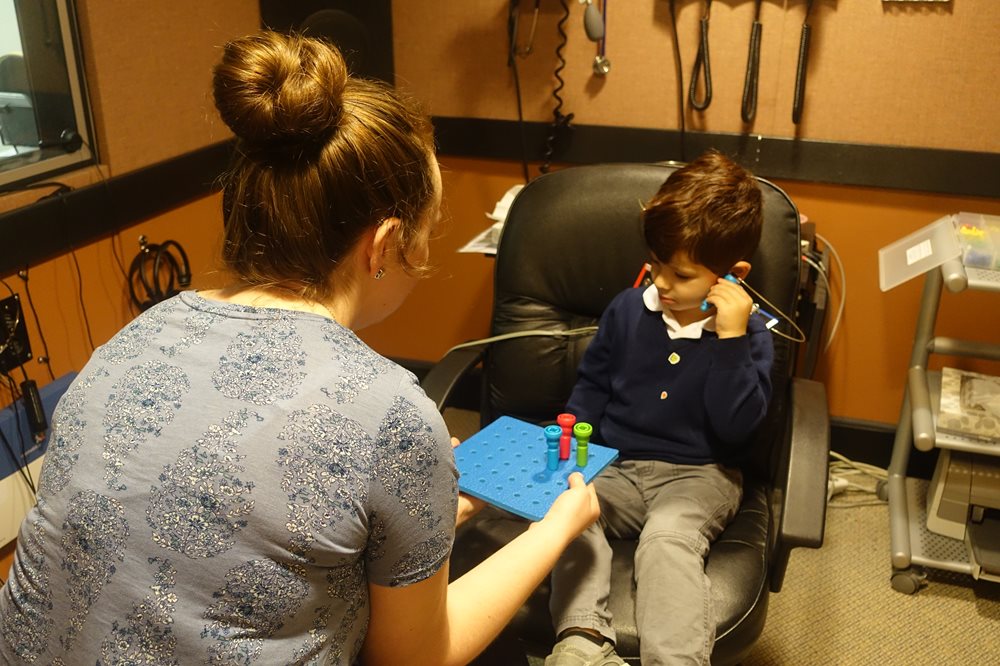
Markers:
(156, 274)
(559, 120)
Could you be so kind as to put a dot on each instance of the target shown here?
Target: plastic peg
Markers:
(582, 431)
(552, 435)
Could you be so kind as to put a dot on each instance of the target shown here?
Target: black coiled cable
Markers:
(559, 119)
(156, 274)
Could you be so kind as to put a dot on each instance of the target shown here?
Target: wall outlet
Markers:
(15, 349)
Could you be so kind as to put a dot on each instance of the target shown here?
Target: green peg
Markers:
(582, 431)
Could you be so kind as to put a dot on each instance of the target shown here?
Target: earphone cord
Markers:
(801, 336)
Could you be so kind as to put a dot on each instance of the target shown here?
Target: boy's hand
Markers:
(468, 506)
(733, 306)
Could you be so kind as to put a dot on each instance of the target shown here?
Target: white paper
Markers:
(485, 242)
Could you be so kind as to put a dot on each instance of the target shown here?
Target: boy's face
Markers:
(682, 285)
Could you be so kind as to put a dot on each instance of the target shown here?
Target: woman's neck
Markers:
(283, 298)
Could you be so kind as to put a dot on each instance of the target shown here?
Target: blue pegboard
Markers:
(505, 465)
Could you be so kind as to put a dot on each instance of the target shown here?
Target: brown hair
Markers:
(711, 209)
(321, 157)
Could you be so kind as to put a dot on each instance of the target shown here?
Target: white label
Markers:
(918, 252)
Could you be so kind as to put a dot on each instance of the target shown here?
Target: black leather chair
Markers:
(572, 240)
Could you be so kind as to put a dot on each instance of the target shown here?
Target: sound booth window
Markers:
(44, 119)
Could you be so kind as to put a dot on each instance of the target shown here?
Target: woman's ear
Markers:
(740, 269)
(381, 245)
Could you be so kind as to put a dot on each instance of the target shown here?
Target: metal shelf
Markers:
(947, 440)
(912, 544)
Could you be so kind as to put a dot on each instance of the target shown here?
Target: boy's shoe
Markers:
(569, 655)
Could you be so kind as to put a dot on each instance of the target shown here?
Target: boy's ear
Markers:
(740, 269)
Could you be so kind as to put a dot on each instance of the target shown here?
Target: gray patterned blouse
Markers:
(221, 483)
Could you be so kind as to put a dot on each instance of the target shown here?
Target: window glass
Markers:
(43, 118)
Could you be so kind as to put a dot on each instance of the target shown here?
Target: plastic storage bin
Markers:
(914, 255)
(979, 240)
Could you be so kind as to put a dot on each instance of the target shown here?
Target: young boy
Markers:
(678, 390)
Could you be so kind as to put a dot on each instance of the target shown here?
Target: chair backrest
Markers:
(573, 240)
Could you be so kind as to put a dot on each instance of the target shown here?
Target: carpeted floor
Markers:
(837, 606)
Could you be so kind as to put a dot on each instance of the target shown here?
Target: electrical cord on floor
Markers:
(853, 483)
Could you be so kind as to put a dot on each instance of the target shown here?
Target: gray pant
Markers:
(676, 511)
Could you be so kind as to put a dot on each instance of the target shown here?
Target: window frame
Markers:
(74, 148)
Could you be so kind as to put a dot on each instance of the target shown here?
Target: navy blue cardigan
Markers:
(701, 409)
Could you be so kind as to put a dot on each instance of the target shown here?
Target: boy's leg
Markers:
(689, 505)
(581, 579)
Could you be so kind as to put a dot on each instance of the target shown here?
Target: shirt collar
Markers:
(693, 331)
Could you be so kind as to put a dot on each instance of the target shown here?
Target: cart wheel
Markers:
(908, 581)
(882, 490)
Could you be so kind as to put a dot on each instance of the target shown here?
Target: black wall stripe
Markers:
(53, 226)
(35, 233)
(953, 172)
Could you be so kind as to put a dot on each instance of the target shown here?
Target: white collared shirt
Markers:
(651, 299)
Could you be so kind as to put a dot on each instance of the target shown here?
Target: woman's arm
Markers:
(437, 624)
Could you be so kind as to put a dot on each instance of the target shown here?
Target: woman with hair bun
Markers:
(235, 477)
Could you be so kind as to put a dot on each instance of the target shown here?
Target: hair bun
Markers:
(280, 92)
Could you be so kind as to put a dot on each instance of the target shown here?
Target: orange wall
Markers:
(163, 85)
(865, 367)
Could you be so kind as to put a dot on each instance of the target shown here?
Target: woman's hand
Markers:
(575, 509)
(468, 506)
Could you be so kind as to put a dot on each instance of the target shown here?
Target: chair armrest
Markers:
(440, 381)
(802, 492)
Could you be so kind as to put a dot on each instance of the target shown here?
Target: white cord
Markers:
(773, 328)
(841, 472)
(843, 290)
(572, 332)
(861, 468)
(822, 273)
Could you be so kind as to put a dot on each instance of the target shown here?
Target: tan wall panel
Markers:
(879, 73)
(148, 67)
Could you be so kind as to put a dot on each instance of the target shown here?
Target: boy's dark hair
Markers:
(712, 209)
